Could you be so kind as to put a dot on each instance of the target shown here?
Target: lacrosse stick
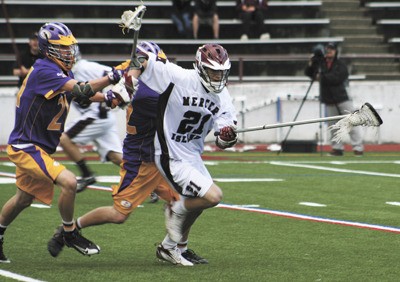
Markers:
(133, 20)
(366, 116)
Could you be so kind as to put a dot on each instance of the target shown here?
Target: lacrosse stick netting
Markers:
(365, 116)
(132, 19)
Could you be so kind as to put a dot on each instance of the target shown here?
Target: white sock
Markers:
(167, 243)
(179, 207)
(78, 223)
(182, 245)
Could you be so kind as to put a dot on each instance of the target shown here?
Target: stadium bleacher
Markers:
(295, 27)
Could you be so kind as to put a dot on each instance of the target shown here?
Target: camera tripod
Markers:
(297, 114)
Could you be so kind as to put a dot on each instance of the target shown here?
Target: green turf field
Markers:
(255, 244)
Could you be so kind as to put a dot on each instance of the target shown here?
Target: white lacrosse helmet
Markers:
(213, 66)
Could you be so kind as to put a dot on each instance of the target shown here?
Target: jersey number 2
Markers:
(191, 120)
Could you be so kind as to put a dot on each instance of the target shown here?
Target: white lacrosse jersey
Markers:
(85, 70)
(186, 111)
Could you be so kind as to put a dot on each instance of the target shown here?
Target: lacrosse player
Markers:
(332, 74)
(96, 124)
(139, 174)
(191, 104)
(41, 110)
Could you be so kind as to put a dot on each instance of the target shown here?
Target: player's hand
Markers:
(227, 133)
(115, 75)
(227, 137)
(118, 96)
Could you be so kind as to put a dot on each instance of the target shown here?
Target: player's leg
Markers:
(356, 132)
(84, 131)
(11, 209)
(73, 152)
(66, 203)
(187, 253)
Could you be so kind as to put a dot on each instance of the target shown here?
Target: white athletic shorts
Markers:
(102, 132)
(188, 178)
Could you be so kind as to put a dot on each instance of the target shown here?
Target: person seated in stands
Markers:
(205, 12)
(252, 10)
(27, 59)
(181, 17)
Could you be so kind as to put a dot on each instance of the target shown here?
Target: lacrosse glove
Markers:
(227, 137)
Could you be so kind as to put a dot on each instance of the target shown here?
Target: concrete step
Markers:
(354, 22)
(356, 61)
(363, 39)
(353, 5)
(364, 49)
(382, 76)
(376, 67)
(350, 30)
(343, 13)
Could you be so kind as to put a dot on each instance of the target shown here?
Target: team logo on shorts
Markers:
(126, 204)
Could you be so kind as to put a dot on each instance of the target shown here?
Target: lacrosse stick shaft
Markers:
(134, 62)
(292, 123)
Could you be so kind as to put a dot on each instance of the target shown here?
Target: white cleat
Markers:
(173, 256)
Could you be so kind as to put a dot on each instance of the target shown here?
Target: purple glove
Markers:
(108, 97)
(115, 75)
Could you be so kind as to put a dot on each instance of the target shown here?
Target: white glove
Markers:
(118, 95)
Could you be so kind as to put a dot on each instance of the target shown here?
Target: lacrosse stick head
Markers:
(365, 116)
(132, 19)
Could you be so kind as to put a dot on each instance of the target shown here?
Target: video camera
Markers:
(318, 58)
(318, 53)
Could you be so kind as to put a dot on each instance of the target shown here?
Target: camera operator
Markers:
(332, 74)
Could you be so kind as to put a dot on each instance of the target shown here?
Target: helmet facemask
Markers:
(214, 80)
(213, 66)
(64, 56)
(57, 42)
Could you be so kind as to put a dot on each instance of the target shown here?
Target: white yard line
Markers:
(17, 277)
(336, 169)
(313, 218)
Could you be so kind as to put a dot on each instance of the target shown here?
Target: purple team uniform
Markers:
(41, 111)
(41, 108)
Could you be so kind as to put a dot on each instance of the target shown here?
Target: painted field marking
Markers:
(116, 179)
(337, 169)
(246, 179)
(18, 277)
(310, 204)
(393, 203)
(7, 180)
(40, 206)
(313, 218)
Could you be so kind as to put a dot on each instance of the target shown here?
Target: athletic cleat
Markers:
(172, 255)
(56, 243)
(3, 258)
(191, 256)
(84, 246)
(153, 198)
(84, 182)
(174, 223)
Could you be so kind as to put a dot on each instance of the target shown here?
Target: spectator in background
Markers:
(21, 68)
(181, 15)
(252, 10)
(332, 74)
(205, 12)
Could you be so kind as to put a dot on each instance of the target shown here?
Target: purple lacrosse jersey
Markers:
(141, 126)
(41, 108)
